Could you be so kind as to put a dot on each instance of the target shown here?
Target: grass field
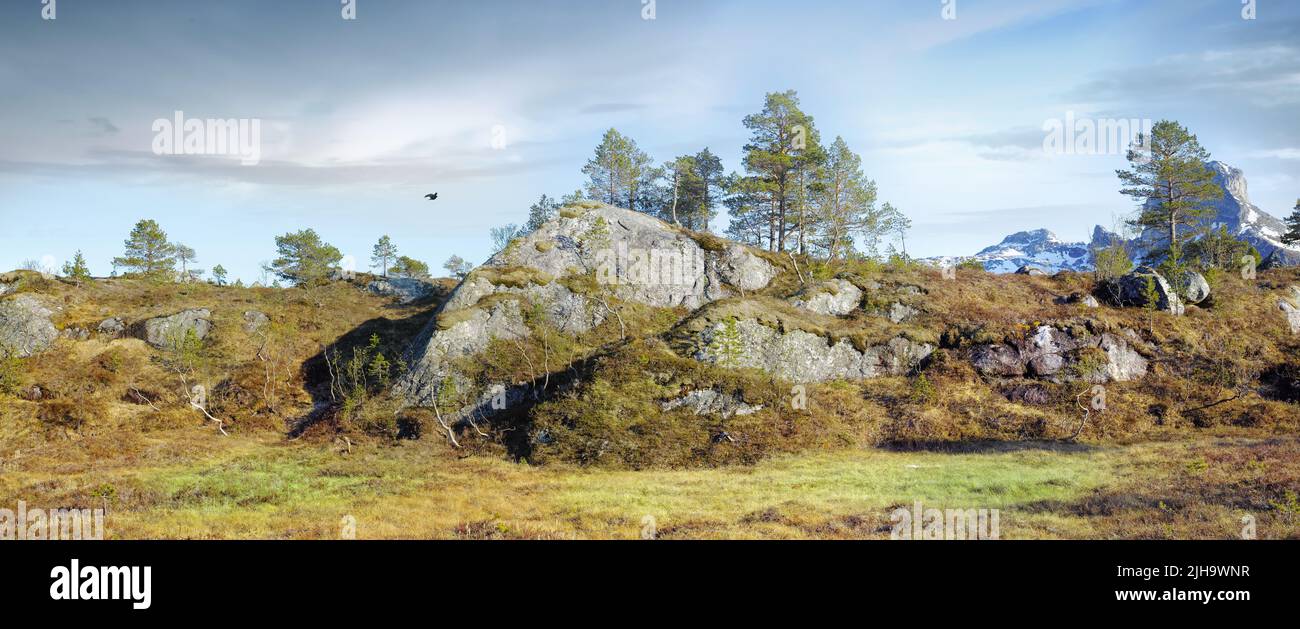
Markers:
(186, 483)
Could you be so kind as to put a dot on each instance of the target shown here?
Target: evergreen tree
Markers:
(410, 267)
(847, 204)
(1292, 234)
(781, 135)
(304, 258)
(185, 255)
(384, 251)
(1172, 183)
(618, 170)
(76, 269)
(219, 275)
(540, 212)
(148, 254)
(680, 174)
(710, 181)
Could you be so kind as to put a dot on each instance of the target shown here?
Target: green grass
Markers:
(190, 484)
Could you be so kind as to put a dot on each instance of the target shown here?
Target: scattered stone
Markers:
(1078, 298)
(1058, 355)
(1192, 287)
(254, 320)
(1291, 309)
(833, 297)
(1131, 290)
(405, 289)
(1035, 394)
(112, 327)
(900, 312)
(712, 402)
(163, 331)
(25, 326)
(75, 333)
(1030, 270)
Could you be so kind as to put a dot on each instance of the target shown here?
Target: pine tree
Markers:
(680, 173)
(185, 255)
(76, 269)
(384, 251)
(304, 258)
(781, 134)
(847, 204)
(1292, 234)
(612, 171)
(1172, 183)
(540, 212)
(148, 253)
(709, 178)
(410, 267)
(726, 346)
(219, 275)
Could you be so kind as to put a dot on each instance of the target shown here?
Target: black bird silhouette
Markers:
(431, 197)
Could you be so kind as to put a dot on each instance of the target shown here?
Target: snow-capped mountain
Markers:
(1243, 218)
(1041, 249)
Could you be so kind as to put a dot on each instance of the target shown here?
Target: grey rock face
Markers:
(833, 297)
(800, 356)
(76, 333)
(25, 326)
(112, 327)
(1051, 353)
(472, 333)
(163, 331)
(1131, 290)
(712, 402)
(405, 289)
(254, 320)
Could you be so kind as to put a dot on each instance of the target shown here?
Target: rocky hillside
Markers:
(608, 337)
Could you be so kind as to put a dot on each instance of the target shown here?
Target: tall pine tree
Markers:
(1173, 184)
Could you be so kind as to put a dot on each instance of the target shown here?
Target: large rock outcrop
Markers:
(25, 326)
(570, 268)
(166, 331)
(1056, 354)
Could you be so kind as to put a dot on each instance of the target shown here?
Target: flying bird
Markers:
(431, 197)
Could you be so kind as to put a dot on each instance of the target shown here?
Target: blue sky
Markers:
(361, 118)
